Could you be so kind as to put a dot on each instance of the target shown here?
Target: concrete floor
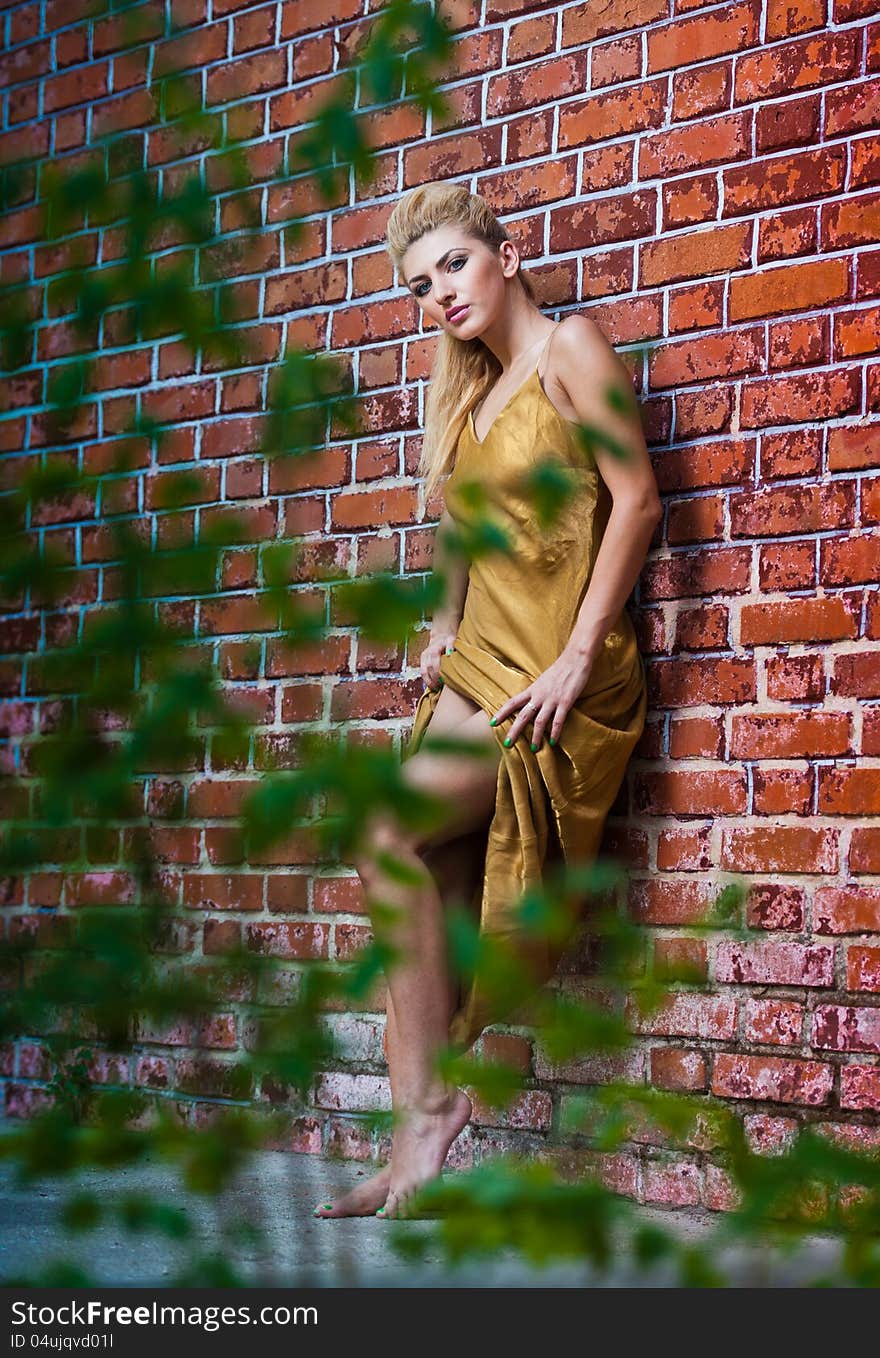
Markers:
(278, 1191)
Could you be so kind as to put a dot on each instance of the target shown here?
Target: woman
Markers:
(532, 656)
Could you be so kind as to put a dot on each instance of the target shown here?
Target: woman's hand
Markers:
(547, 702)
(440, 642)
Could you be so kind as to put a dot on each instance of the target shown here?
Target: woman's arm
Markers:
(453, 567)
(618, 563)
(600, 390)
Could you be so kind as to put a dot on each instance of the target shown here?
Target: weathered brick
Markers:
(776, 1021)
(844, 1028)
(846, 910)
(863, 968)
(768, 1135)
(674, 1183)
(860, 1087)
(687, 1015)
(778, 1079)
(672, 1068)
(769, 962)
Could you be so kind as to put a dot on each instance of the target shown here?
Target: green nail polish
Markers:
(552, 741)
(380, 1212)
(492, 721)
(534, 747)
(507, 741)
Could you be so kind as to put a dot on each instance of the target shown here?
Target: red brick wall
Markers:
(704, 180)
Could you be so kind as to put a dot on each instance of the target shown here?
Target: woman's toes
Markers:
(323, 1209)
(389, 1208)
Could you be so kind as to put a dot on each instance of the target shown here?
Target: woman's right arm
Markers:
(454, 567)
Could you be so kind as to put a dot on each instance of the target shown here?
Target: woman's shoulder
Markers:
(563, 364)
(577, 346)
(577, 337)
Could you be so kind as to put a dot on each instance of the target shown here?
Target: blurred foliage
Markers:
(132, 698)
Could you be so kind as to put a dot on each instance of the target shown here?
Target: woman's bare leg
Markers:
(365, 1199)
(429, 1114)
(419, 985)
(456, 867)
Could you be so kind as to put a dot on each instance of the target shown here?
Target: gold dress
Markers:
(519, 614)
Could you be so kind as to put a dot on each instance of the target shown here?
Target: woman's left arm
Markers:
(606, 405)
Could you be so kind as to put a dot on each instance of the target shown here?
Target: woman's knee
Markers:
(462, 786)
(383, 835)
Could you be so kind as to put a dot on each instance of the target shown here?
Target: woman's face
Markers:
(447, 270)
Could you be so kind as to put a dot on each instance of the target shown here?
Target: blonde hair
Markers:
(463, 370)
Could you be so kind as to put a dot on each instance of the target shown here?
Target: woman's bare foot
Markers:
(419, 1148)
(360, 1201)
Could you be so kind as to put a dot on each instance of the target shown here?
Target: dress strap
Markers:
(545, 351)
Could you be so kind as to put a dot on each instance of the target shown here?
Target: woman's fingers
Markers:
(523, 718)
(541, 723)
(511, 705)
(558, 721)
(546, 720)
(431, 676)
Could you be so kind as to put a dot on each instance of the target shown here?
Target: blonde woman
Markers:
(532, 656)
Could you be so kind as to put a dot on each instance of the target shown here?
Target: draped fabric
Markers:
(519, 613)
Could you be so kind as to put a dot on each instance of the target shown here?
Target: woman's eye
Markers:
(420, 292)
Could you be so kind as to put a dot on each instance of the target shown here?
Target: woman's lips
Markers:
(459, 315)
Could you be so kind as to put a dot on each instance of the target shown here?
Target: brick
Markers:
(667, 902)
(767, 962)
(845, 1028)
(817, 60)
(860, 1087)
(233, 892)
(720, 1193)
(863, 968)
(612, 115)
(687, 1015)
(100, 888)
(782, 180)
(824, 619)
(853, 446)
(798, 736)
(530, 1109)
(694, 254)
(789, 287)
(793, 122)
(672, 1183)
(774, 1021)
(682, 959)
(846, 910)
(774, 906)
(679, 1070)
(721, 139)
(705, 358)
(289, 938)
(851, 223)
(775, 1078)
(690, 40)
(352, 1093)
(769, 1135)
(586, 23)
